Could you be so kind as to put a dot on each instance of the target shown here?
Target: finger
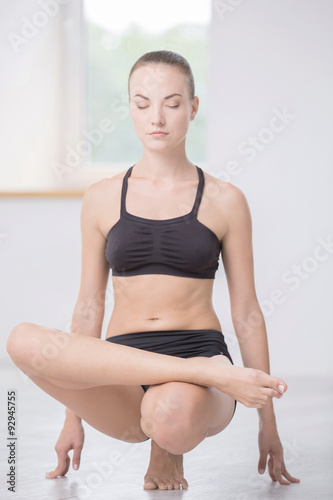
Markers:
(281, 480)
(62, 468)
(271, 468)
(76, 457)
(262, 462)
(290, 477)
(278, 467)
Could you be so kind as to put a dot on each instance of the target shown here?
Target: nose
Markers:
(157, 117)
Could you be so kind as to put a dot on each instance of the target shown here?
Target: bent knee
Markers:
(174, 400)
(17, 341)
(170, 414)
(175, 437)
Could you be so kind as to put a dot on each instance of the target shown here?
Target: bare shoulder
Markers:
(101, 202)
(104, 187)
(225, 196)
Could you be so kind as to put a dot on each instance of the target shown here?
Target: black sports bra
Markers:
(181, 246)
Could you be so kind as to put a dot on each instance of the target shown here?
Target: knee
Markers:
(176, 437)
(17, 341)
(170, 419)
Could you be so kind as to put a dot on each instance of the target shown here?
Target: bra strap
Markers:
(123, 191)
(199, 191)
(197, 198)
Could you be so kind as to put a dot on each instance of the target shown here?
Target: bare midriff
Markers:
(161, 302)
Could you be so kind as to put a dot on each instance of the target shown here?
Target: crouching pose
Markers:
(164, 371)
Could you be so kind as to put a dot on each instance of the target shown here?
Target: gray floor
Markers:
(221, 467)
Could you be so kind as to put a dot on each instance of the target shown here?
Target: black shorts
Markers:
(181, 343)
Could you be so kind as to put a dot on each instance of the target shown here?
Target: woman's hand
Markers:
(270, 444)
(71, 438)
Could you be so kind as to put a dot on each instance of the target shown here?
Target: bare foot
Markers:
(165, 471)
(251, 387)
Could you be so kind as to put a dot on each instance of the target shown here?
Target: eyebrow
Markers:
(167, 97)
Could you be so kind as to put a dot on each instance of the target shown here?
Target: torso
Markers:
(162, 302)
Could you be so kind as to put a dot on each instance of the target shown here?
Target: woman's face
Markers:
(159, 101)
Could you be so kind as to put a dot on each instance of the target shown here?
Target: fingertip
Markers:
(75, 466)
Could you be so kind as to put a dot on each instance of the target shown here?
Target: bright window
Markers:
(116, 35)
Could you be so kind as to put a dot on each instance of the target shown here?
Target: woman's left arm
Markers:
(249, 323)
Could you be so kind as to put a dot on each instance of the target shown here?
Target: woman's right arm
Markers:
(87, 317)
(89, 309)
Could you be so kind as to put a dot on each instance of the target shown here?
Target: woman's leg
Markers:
(75, 361)
(96, 406)
(178, 415)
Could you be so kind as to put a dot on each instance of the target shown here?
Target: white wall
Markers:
(267, 57)
(40, 263)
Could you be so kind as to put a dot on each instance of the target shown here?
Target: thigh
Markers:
(113, 410)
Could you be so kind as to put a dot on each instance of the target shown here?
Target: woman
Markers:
(160, 229)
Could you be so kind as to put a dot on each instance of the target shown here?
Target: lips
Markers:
(159, 133)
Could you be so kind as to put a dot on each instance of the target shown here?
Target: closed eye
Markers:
(145, 107)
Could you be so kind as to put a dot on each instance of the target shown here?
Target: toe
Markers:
(149, 484)
(162, 485)
(184, 483)
(176, 485)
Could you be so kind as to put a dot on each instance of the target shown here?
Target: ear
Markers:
(195, 107)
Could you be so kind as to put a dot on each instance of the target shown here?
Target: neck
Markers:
(164, 165)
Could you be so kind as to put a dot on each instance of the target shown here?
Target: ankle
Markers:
(202, 371)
